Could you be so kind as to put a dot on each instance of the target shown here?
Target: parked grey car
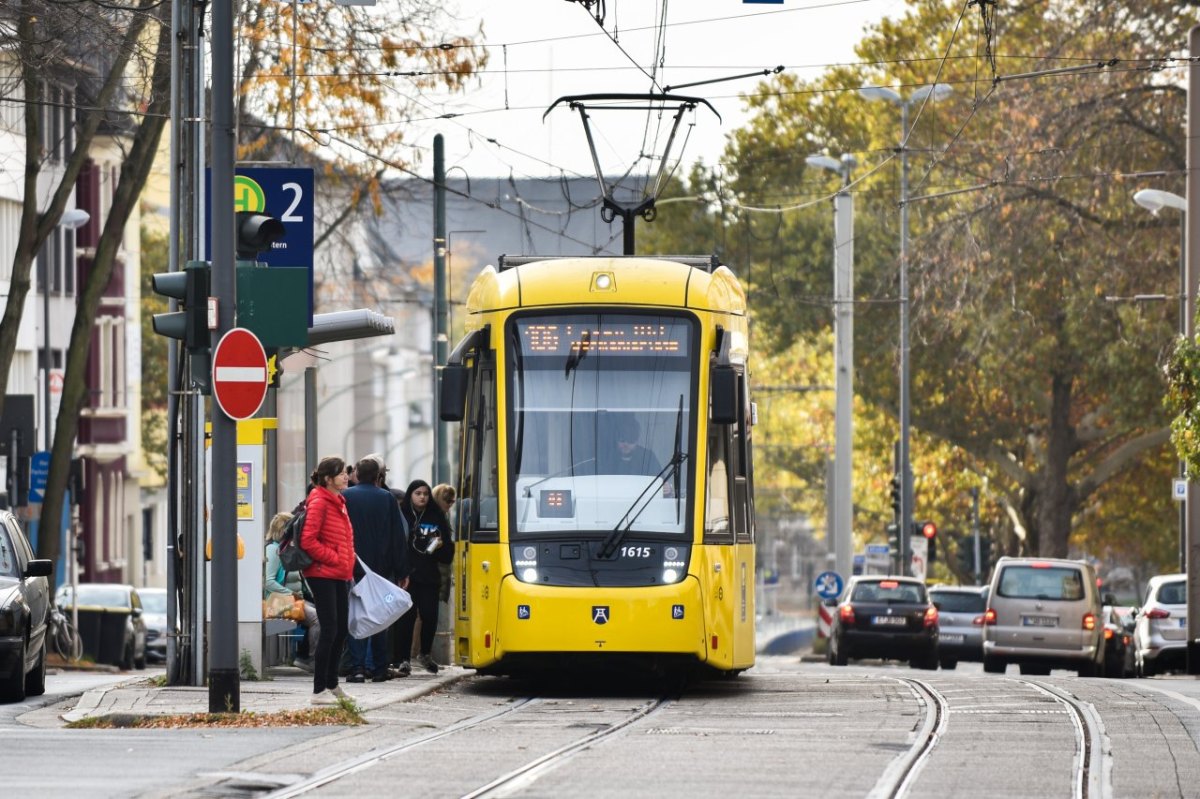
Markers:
(1160, 634)
(154, 613)
(960, 622)
(110, 622)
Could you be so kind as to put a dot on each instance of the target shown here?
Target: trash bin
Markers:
(102, 631)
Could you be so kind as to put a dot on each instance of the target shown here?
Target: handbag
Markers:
(375, 603)
(277, 604)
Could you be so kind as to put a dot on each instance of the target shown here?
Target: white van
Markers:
(1043, 613)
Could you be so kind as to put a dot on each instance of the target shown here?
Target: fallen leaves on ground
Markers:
(314, 717)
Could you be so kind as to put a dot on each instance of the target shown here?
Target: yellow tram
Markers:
(605, 478)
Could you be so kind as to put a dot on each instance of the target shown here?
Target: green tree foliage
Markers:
(154, 357)
(1025, 379)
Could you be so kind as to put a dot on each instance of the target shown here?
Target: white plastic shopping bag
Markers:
(375, 603)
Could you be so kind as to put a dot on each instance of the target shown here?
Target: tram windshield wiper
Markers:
(614, 538)
(578, 355)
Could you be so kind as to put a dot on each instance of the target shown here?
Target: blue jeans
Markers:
(369, 654)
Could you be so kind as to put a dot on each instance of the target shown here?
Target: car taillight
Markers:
(978, 620)
(1089, 621)
(1125, 640)
(931, 616)
(846, 614)
(1108, 634)
(989, 616)
(1157, 613)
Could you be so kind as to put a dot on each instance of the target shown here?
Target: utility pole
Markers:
(224, 690)
(843, 328)
(1193, 277)
(441, 336)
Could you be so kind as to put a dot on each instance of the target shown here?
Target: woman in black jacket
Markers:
(430, 543)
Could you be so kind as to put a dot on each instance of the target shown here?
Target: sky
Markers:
(542, 50)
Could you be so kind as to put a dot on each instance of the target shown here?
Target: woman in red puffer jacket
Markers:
(329, 540)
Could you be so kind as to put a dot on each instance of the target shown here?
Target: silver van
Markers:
(1043, 613)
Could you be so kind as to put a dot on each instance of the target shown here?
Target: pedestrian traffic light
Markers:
(893, 534)
(190, 288)
(929, 531)
(256, 233)
(895, 485)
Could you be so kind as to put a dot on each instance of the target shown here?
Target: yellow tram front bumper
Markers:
(665, 619)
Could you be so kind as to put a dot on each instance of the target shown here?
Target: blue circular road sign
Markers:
(828, 585)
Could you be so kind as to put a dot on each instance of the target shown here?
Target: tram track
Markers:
(1092, 777)
(511, 781)
(899, 777)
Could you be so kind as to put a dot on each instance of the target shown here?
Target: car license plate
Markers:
(951, 638)
(1039, 621)
(889, 621)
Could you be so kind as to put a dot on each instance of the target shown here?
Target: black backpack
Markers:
(291, 556)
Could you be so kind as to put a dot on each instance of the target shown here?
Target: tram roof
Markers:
(690, 281)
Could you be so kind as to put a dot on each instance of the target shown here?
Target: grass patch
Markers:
(345, 713)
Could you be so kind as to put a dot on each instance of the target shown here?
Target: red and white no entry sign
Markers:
(239, 374)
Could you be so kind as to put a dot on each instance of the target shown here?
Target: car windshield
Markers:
(1042, 582)
(100, 596)
(888, 591)
(8, 555)
(958, 601)
(153, 601)
(1173, 593)
(601, 409)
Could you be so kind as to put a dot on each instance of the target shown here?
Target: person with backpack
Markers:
(278, 580)
(328, 539)
(430, 543)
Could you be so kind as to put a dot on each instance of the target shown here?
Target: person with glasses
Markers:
(445, 496)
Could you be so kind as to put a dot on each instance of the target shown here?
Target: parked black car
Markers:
(110, 622)
(1119, 659)
(24, 614)
(885, 617)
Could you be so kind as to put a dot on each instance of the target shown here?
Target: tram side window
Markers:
(479, 491)
(716, 515)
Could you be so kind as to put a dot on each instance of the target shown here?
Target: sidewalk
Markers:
(287, 688)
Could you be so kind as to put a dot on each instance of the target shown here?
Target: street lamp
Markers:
(928, 93)
(843, 348)
(72, 220)
(1154, 200)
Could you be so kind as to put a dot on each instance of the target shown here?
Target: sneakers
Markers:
(401, 669)
(340, 694)
(358, 676)
(381, 676)
(324, 698)
(427, 663)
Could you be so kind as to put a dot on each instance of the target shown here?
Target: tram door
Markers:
(476, 587)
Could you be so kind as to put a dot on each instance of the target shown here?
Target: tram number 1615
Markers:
(636, 552)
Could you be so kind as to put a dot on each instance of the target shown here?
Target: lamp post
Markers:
(841, 531)
(1154, 200)
(930, 93)
(72, 220)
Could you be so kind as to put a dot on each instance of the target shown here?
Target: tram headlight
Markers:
(670, 575)
(526, 563)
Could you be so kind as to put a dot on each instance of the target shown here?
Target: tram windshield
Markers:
(601, 409)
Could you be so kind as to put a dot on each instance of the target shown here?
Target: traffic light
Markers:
(189, 325)
(893, 534)
(190, 288)
(256, 233)
(966, 555)
(895, 485)
(929, 531)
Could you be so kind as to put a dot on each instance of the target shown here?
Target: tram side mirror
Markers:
(724, 395)
(454, 392)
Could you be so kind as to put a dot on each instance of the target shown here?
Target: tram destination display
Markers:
(605, 336)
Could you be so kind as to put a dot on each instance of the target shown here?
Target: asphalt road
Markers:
(785, 728)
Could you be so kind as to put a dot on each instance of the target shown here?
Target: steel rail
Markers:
(1093, 757)
(901, 774)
